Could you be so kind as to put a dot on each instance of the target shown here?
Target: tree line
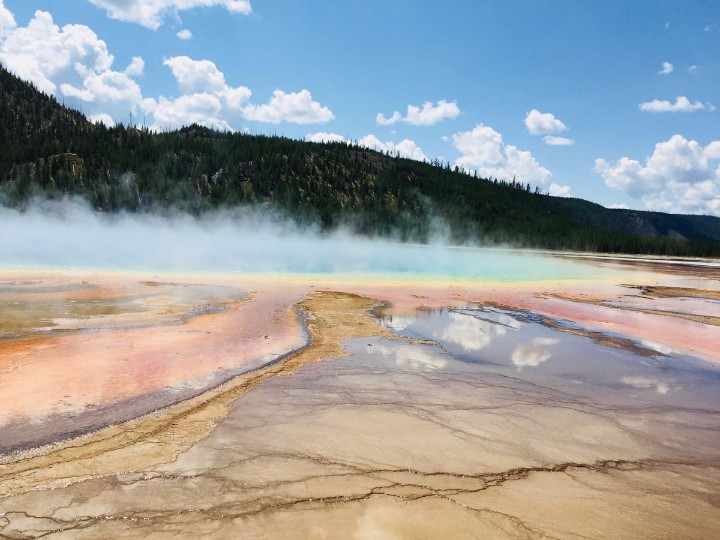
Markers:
(52, 151)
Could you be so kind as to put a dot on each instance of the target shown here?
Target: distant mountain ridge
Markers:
(48, 150)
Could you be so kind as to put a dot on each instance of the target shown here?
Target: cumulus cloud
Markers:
(136, 67)
(322, 136)
(539, 123)
(184, 34)
(207, 99)
(617, 206)
(555, 140)
(427, 115)
(102, 118)
(42, 52)
(556, 190)
(152, 13)
(196, 76)
(111, 89)
(680, 176)
(201, 108)
(72, 61)
(667, 69)
(482, 149)
(682, 104)
(294, 107)
(405, 148)
(7, 21)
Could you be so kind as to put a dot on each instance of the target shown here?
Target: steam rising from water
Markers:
(69, 234)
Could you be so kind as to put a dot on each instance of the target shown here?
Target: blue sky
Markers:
(611, 101)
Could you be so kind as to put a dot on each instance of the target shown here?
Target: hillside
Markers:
(52, 151)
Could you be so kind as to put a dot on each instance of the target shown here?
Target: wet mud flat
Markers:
(503, 418)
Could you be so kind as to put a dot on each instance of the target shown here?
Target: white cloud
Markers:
(112, 91)
(405, 148)
(136, 67)
(555, 140)
(293, 107)
(682, 104)
(184, 34)
(72, 61)
(556, 190)
(618, 206)
(43, 53)
(204, 90)
(539, 123)
(692, 70)
(667, 69)
(427, 115)
(151, 13)
(102, 118)
(195, 76)
(383, 121)
(680, 176)
(484, 151)
(206, 98)
(7, 21)
(322, 136)
(203, 108)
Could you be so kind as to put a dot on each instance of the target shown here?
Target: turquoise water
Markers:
(356, 258)
(70, 236)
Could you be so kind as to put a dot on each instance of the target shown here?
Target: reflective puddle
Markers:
(562, 356)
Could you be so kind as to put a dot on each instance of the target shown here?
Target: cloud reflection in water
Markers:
(647, 383)
(473, 333)
(534, 355)
(409, 356)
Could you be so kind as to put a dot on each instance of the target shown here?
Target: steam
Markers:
(69, 234)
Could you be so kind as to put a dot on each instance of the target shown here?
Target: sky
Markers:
(612, 101)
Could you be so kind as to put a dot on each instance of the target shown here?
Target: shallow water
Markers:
(516, 344)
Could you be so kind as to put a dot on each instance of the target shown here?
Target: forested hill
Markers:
(48, 150)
